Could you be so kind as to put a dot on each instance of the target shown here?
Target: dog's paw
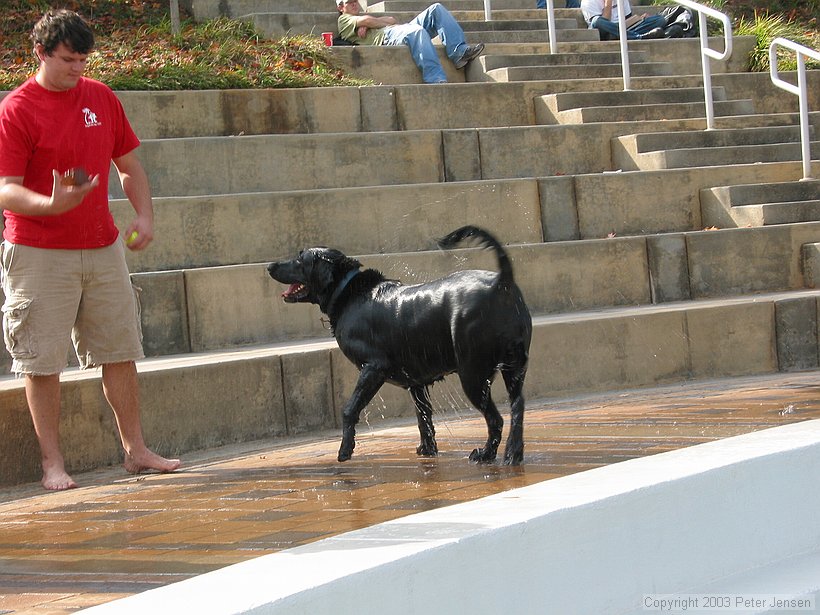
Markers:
(482, 455)
(427, 450)
(513, 460)
(514, 453)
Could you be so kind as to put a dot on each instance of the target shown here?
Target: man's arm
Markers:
(138, 192)
(18, 199)
(373, 21)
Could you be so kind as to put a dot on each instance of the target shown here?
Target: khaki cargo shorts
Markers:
(55, 297)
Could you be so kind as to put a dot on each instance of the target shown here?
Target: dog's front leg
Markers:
(370, 381)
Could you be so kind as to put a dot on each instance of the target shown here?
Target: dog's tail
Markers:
(505, 274)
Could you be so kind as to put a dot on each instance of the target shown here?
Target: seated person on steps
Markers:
(435, 20)
(603, 16)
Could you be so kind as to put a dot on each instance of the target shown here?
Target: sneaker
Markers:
(471, 52)
(653, 33)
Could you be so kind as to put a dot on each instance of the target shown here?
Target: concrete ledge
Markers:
(594, 542)
(287, 162)
(213, 308)
(198, 401)
(158, 115)
(555, 277)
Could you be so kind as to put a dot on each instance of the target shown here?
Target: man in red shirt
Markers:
(63, 261)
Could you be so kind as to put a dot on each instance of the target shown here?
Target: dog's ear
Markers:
(349, 263)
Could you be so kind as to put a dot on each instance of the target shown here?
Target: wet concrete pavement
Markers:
(118, 535)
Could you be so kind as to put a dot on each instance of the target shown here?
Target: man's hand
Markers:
(66, 197)
(17, 198)
(142, 231)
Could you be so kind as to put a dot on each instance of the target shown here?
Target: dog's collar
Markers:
(339, 288)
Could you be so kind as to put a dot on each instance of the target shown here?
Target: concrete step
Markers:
(214, 308)
(204, 10)
(566, 101)
(811, 264)
(391, 6)
(280, 23)
(761, 204)
(703, 148)
(580, 71)
(493, 61)
(480, 25)
(201, 113)
(268, 163)
(729, 137)
(231, 229)
(580, 107)
(667, 111)
(555, 278)
(199, 401)
(531, 36)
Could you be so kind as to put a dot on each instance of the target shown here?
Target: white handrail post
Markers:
(551, 25)
(803, 105)
(487, 10)
(706, 70)
(800, 90)
(624, 52)
(706, 52)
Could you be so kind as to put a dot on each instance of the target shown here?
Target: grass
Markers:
(136, 49)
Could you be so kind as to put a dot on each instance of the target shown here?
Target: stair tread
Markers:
(185, 360)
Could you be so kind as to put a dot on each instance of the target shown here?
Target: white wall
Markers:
(717, 516)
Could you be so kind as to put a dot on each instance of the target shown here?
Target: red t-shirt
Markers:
(41, 130)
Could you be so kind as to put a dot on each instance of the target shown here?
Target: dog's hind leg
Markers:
(477, 390)
(424, 414)
(370, 381)
(514, 381)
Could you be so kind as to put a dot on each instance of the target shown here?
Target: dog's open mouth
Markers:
(296, 292)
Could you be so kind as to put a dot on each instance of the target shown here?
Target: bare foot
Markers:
(148, 460)
(57, 479)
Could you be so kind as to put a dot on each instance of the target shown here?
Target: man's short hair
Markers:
(63, 26)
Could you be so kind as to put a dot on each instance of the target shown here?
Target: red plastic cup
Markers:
(328, 38)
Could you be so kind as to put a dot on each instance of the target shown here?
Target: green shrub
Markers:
(765, 28)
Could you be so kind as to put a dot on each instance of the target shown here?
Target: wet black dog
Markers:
(473, 323)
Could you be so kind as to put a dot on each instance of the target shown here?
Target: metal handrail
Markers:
(551, 26)
(705, 51)
(799, 89)
(550, 21)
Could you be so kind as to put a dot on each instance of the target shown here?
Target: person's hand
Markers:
(361, 31)
(139, 234)
(65, 197)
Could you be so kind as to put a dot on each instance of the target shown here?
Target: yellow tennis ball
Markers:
(132, 238)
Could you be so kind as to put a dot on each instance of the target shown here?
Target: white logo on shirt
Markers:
(90, 118)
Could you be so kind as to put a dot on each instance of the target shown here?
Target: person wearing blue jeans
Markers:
(603, 16)
(364, 29)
